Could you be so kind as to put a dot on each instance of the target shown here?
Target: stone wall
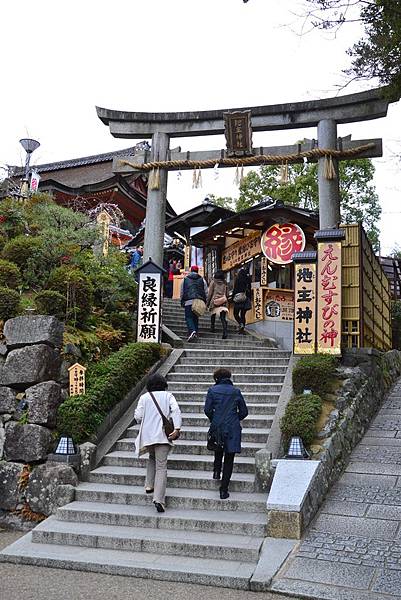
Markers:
(367, 378)
(30, 393)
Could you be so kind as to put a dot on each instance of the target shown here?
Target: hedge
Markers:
(315, 372)
(10, 275)
(50, 302)
(300, 417)
(9, 303)
(107, 383)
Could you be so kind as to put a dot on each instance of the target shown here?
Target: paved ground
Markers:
(352, 551)
(20, 582)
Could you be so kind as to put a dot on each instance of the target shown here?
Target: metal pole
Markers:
(156, 204)
(329, 191)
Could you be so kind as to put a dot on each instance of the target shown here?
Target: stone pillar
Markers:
(156, 205)
(329, 193)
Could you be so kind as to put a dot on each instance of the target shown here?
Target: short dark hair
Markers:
(222, 373)
(219, 275)
(156, 383)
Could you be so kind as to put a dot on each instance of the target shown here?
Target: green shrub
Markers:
(9, 303)
(21, 248)
(73, 284)
(50, 302)
(315, 372)
(300, 417)
(107, 383)
(10, 275)
(396, 324)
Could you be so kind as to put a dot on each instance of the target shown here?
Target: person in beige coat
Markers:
(152, 438)
(217, 301)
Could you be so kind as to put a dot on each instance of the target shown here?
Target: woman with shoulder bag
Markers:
(217, 302)
(155, 411)
(242, 297)
(225, 407)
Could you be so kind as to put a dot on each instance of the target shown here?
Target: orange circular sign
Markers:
(280, 242)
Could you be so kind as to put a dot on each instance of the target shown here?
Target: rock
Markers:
(9, 488)
(50, 486)
(35, 329)
(263, 470)
(27, 443)
(8, 400)
(3, 349)
(87, 462)
(33, 364)
(5, 418)
(315, 449)
(72, 349)
(43, 400)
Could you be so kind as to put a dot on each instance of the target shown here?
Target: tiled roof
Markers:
(76, 162)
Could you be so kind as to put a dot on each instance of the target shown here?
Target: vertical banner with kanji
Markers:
(263, 271)
(149, 306)
(305, 303)
(258, 303)
(329, 292)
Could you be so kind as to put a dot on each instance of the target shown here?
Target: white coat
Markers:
(151, 426)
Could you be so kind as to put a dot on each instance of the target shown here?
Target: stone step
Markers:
(201, 420)
(196, 351)
(261, 408)
(193, 385)
(199, 480)
(219, 344)
(141, 539)
(204, 571)
(235, 362)
(250, 434)
(205, 370)
(252, 397)
(126, 444)
(235, 522)
(190, 462)
(193, 375)
(175, 498)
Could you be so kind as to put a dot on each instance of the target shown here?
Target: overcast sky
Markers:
(60, 60)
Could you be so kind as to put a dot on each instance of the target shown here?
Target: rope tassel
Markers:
(154, 179)
(329, 170)
(284, 174)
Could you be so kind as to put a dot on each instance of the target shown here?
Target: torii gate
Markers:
(324, 114)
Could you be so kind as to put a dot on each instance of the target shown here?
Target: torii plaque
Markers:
(324, 114)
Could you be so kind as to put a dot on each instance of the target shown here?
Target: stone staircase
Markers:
(112, 527)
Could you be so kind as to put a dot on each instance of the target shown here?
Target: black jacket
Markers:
(194, 287)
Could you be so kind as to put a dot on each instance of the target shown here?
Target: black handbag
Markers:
(168, 424)
(215, 439)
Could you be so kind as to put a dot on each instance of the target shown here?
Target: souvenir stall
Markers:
(263, 239)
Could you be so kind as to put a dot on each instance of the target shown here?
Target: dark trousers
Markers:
(227, 469)
(240, 315)
(191, 319)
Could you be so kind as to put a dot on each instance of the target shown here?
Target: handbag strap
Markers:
(163, 416)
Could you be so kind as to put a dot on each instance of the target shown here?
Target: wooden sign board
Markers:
(258, 304)
(76, 379)
(238, 131)
(329, 297)
(149, 307)
(305, 308)
(279, 305)
(240, 251)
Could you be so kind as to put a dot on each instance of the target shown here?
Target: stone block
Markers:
(35, 329)
(291, 483)
(284, 524)
(8, 400)
(43, 400)
(9, 479)
(88, 459)
(30, 365)
(50, 486)
(340, 574)
(263, 470)
(26, 443)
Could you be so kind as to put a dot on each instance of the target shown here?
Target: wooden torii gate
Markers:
(324, 114)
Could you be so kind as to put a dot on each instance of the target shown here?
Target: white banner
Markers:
(35, 178)
(149, 307)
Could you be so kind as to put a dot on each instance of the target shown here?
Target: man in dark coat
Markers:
(192, 287)
(225, 407)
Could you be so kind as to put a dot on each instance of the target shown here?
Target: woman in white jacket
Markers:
(152, 438)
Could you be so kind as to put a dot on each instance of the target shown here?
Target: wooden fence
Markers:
(366, 295)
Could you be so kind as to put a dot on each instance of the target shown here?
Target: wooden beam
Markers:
(121, 164)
